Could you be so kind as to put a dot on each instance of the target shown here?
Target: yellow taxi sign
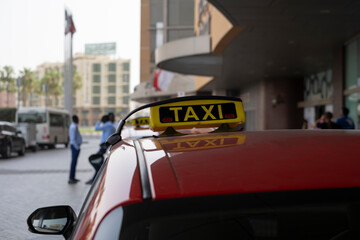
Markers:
(198, 113)
(140, 121)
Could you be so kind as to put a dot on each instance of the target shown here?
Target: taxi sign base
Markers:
(170, 131)
(227, 128)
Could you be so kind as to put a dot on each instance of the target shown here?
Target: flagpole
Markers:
(68, 66)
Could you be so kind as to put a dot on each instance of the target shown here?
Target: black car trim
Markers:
(144, 176)
(140, 214)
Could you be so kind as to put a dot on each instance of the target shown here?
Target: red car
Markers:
(225, 184)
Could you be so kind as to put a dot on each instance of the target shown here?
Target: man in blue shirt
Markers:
(75, 142)
(344, 122)
(112, 119)
(107, 128)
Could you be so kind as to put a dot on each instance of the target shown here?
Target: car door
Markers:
(16, 140)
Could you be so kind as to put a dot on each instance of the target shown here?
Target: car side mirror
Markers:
(54, 220)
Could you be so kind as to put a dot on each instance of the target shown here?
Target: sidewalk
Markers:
(38, 180)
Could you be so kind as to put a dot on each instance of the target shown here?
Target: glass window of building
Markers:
(96, 110)
(126, 100)
(175, 34)
(126, 66)
(96, 78)
(156, 11)
(126, 89)
(152, 45)
(96, 67)
(112, 89)
(96, 89)
(96, 100)
(352, 80)
(112, 78)
(181, 12)
(125, 77)
(112, 67)
(111, 100)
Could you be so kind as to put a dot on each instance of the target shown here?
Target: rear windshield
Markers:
(32, 118)
(257, 219)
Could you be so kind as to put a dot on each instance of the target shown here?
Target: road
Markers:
(39, 179)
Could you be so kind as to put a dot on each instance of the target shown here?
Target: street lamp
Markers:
(45, 89)
(18, 84)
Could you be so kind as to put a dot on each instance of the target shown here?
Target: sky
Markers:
(32, 31)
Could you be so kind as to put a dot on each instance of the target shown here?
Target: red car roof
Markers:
(245, 162)
(224, 163)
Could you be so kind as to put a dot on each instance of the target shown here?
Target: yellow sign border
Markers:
(156, 125)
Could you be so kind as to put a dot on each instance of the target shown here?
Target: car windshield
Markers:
(31, 117)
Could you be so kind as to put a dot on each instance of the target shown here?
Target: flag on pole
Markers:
(162, 79)
(69, 23)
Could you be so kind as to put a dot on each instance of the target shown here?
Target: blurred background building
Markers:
(103, 85)
(289, 61)
(7, 99)
(163, 21)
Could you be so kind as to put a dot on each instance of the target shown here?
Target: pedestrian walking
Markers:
(344, 121)
(107, 128)
(75, 142)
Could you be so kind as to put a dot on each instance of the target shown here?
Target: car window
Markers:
(32, 117)
(12, 129)
(56, 120)
(8, 128)
(239, 218)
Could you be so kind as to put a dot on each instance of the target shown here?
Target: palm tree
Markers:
(28, 85)
(52, 80)
(77, 81)
(7, 81)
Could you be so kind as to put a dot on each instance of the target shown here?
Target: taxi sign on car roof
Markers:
(189, 112)
(197, 113)
(140, 121)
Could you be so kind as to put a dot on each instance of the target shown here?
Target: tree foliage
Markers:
(29, 84)
(51, 79)
(77, 81)
(7, 80)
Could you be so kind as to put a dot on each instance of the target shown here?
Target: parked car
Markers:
(223, 184)
(11, 140)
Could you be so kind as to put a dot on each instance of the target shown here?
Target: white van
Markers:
(52, 125)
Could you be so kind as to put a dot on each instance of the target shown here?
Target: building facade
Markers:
(105, 87)
(163, 21)
(8, 99)
(288, 61)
